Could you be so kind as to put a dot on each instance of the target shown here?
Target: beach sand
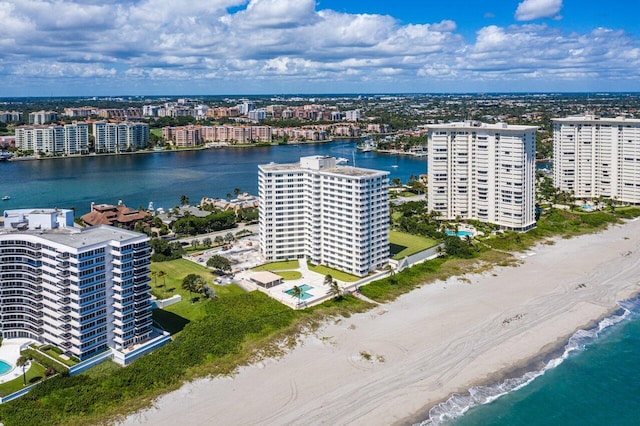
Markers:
(439, 339)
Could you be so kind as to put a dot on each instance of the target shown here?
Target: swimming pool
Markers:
(4, 367)
(460, 233)
(304, 295)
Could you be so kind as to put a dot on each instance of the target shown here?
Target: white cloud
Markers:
(535, 9)
(284, 41)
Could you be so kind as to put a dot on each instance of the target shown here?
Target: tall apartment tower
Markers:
(336, 216)
(597, 157)
(81, 290)
(120, 137)
(53, 139)
(484, 172)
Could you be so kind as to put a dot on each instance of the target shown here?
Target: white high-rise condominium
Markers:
(336, 216)
(53, 139)
(484, 172)
(120, 137)
(597, 157)
(82, 290)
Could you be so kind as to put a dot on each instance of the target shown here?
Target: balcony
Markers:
(64, 274)
(63, 256)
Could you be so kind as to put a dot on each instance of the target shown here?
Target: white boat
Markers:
(5, 198)
(342, 160)
(395, 166)
(5, 155)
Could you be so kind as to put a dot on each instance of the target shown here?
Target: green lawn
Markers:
(173, 318)
(278, 266)
(403, 244)
(35, 373)
(338, 275)
(289, 275)
(157, 132)
(53, 354)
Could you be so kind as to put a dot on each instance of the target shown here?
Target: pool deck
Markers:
(319, 291)
(9, 353)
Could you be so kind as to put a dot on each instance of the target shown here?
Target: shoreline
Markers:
(196, 148)
(439, 339)
(534, 365)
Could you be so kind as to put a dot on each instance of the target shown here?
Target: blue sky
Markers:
(156, 47)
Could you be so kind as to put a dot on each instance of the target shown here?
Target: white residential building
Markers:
(82, 290)
(120, 137)
(53, 139)
(597, 157)
(484, 172)
(336, 216)
(42, 117)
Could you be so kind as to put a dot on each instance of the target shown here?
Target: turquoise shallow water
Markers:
(595, 382)
(4, 367)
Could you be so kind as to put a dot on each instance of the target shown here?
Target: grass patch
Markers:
(34, 374)
(403, 244)
(289, 275)
(338, 275)
(278, 266)
(171, 284)
(53, 354)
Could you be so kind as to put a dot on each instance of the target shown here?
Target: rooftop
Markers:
(591, 117)
(78, 238)
(335, 169)
(472, 124)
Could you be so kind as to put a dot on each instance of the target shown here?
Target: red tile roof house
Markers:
(107, 214)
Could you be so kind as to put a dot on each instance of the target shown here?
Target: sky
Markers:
(277, 47)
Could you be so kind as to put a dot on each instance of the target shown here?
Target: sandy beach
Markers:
(391, 364)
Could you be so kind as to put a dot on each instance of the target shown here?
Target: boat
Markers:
(395, 166)
(4, 156)
(5, 198)
(342, 160)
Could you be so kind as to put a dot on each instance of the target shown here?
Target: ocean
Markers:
(594, 381)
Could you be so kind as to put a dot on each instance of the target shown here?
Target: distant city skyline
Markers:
(218, 47)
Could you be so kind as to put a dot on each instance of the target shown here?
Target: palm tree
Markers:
(237, 191)
(154, 275)
(23, 361)
(297, 293)
(162, 274)
(191, 283)
(335, 290)
(184, 200)
(328, 280)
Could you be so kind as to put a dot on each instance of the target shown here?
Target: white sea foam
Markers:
(458, 404)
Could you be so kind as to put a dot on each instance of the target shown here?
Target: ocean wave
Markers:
(458, 404)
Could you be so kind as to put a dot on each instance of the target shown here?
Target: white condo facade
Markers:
(333, 215)
(484, 172)
(54, 139)
(120, 137)
(597, 157)
(82, 290)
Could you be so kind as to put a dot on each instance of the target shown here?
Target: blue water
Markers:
(162, 177)
(4, 367)
(460, 233)
(596, 381)
(304, 288)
